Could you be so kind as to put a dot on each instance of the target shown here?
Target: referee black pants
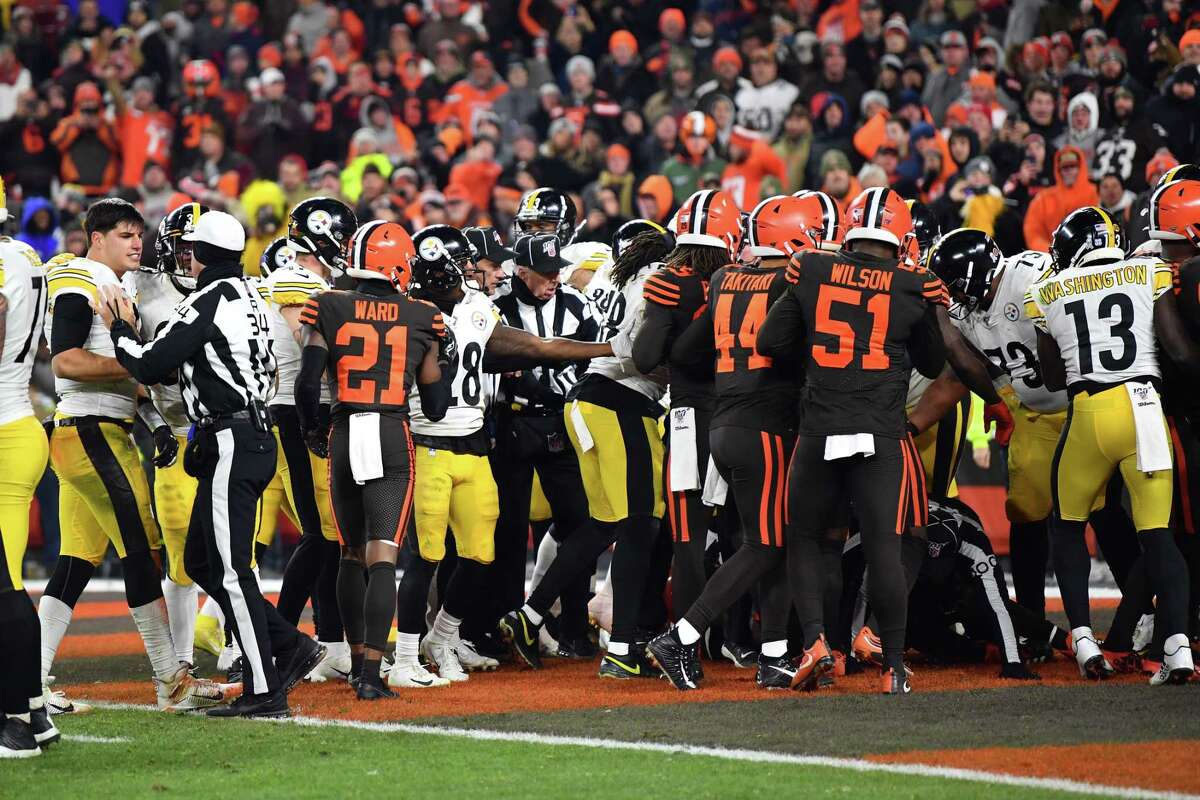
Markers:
(238, 464)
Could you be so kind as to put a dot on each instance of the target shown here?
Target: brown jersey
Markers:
(857, 314)
(376, 344)
(675, 296)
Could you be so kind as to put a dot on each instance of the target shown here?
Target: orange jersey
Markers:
(465, 101)
(144, 137)
(744, 181)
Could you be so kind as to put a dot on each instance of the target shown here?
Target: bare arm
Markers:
(1054, 371)
(938, 399)
(969, 368)
(78, 364)
(292, 315)
(510, 349)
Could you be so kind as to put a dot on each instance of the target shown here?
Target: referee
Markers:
(218, 340)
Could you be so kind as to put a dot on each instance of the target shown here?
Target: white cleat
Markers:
(441, 653)
(413, 676)
(57, 701)
(471, 659)
(334, 666)
(1143, 632)
(229, 654)
(1092, 663)
(1177, 666)
(186, 693)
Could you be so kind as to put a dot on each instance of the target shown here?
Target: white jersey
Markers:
(472, 321)
(23, 284)
(607, 303)
(762, 108)
(291, 286)
(626, 312)
(587, 256)
(1008, 338)
(1102, 317)
(156, 298)
(116, 399)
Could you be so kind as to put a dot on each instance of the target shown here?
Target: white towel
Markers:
(366, 455)
(715, 487)
(1150, 428)
(683, 470)
(844, 445)
(581, 429)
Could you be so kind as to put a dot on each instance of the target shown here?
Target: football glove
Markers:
(999, 414)
(317, 441)
(166, 446)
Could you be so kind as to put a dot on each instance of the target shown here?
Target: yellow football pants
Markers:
(174, 495)
(941, 446)
(622, 469)
(455, 490)
(279, 495)
(1030, 457)
(23, 455)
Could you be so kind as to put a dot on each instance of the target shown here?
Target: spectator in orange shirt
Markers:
(474, 93)
(88, 144)
(477, 172)
(461, 208)
(754, 169)
(654, 198)
(143, 130)
(1071, 190)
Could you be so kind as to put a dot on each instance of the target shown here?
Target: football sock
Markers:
(750, 564)
(534, 616)
(1169, 580)
(412, 596)
(23, 717)
(546, 551)
(369, 671)
(1116, 536)
(775, 603)
(630, 566)
(379, 607)
(351, 592)
(181, 614)
(329, 620)
(1029, 550)
(463, 591)
(687, 634)
(54, 617)
(912, 555)
(18, 652)
(887, 592)
(300, 576)
(445, 627)
(142, 580)
(70, 578)
(618, 648)
(775, 649)
(151, 621)
(406, 647)
(805, 555)
(1072, 565)
(1137, 598)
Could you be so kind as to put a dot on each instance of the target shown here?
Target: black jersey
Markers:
(375, 346)
(857, 314)
(1179, 394)
(675, 297)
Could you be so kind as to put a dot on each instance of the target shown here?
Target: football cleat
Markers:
(775, 672)
(1018, 672)
(1124, 663)
(334, 666)
(523, 635)
(1143, 632)
(489, 644)
(547, 644)
(441, 654)
(57, 702)
(185, 693)
(17, 740)
(891, 683)
(1177, 666)
(210, 636)
(576, 649)
(413, 676)
(471, 659)
(674, 658)
(742, 657)
(816, 663)
(867, 647)
(372, 689)
(268, 705)
(44, 731)
(300, 661)
(1088, 656)
(634, 665)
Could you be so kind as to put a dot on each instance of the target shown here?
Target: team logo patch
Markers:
(320, 222)
(430, 248)
(935, 549)
(1011, 312)
(479, 320)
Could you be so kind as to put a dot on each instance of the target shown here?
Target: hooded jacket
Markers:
(1087, 138)
(1178, 121)
(1051, 205)
(46, 242)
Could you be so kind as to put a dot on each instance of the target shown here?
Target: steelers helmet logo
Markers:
(320, 222)
(285, 257)
(479, 320)
(1011, 312)
(431, 248)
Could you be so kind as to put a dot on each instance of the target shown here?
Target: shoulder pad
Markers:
(71, 276)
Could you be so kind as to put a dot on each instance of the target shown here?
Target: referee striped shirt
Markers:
(219, 341)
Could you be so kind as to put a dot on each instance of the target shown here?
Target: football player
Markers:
(860, 315)
(24, 452)
(103, 496)
(752, 428)
(378, 343)
(545, 210)
(1097, 315)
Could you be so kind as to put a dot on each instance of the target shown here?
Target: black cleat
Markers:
(775, 672)
(581, 648)
(268, 705)
(306, 655)
(236, 671)
(44, 732)
(17, 741)
(366, 689)
(742, 657)
(676, 660)
(892, 682)
(634, 665)
(523, 634)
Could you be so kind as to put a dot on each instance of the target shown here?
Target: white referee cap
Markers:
(218, 229)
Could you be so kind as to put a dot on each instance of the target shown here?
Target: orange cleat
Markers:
(891, 683)
(867, 647)
(816, 663)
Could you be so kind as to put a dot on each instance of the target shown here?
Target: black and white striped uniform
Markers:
(218, 341)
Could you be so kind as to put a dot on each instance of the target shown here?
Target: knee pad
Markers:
(70, 578)
(141, 580)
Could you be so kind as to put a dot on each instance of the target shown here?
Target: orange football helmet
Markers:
(779, 226)
(697, 123)
(824, 219)
(200, 77)
(381, 251)
(710, 218)
(880, 215)
(1175, 212)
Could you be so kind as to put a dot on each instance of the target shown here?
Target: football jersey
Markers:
(290, 286)
(472, 322)
(858, 314)
(156, 298)
(376, 343)
(1008, 338)
(587, 256)
(1102, 317)
(1179, 396)
(751, 390)
(118, 398)
(625, 314)
(681, 293)
(23, 284)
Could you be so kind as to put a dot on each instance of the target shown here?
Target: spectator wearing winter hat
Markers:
(1115, 198)
(672, 29)
(447, 26)
(896, 36)
(142, 129)
(1175, 111)
(1083, 125)
(832, 131)
(1128, 142)
(1189, 47)
(518, 105)
(980, 96)
(14, 79)
(654, 198)
(87, 144)
(727, 74)
(833, 78)
(836, 180)
(618, 176)
(794, 146)
(622, 73)
(1071, 190)
(864, 51)
(678, 96)
(273, 125)
(478, 172)
(583, 99)
(477, 92)
(946, 84)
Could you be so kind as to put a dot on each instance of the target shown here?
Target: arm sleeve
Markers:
(155, 361)
(781, 334)
(308, 386)
(72, 323)
(653, 340)
(926, 348)
(694, 349)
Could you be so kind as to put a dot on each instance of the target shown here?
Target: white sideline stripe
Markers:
(84, 737)
(755, 756)
(271, 586)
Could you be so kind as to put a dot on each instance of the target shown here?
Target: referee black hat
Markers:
(487, 244)
(539, 252)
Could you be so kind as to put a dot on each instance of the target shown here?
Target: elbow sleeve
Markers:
(435, 397)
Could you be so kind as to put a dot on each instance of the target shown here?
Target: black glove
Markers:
(448, 352)
(1019, 672)
(317, 441)
(166, 445)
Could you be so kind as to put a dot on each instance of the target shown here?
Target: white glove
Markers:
(622, 345)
